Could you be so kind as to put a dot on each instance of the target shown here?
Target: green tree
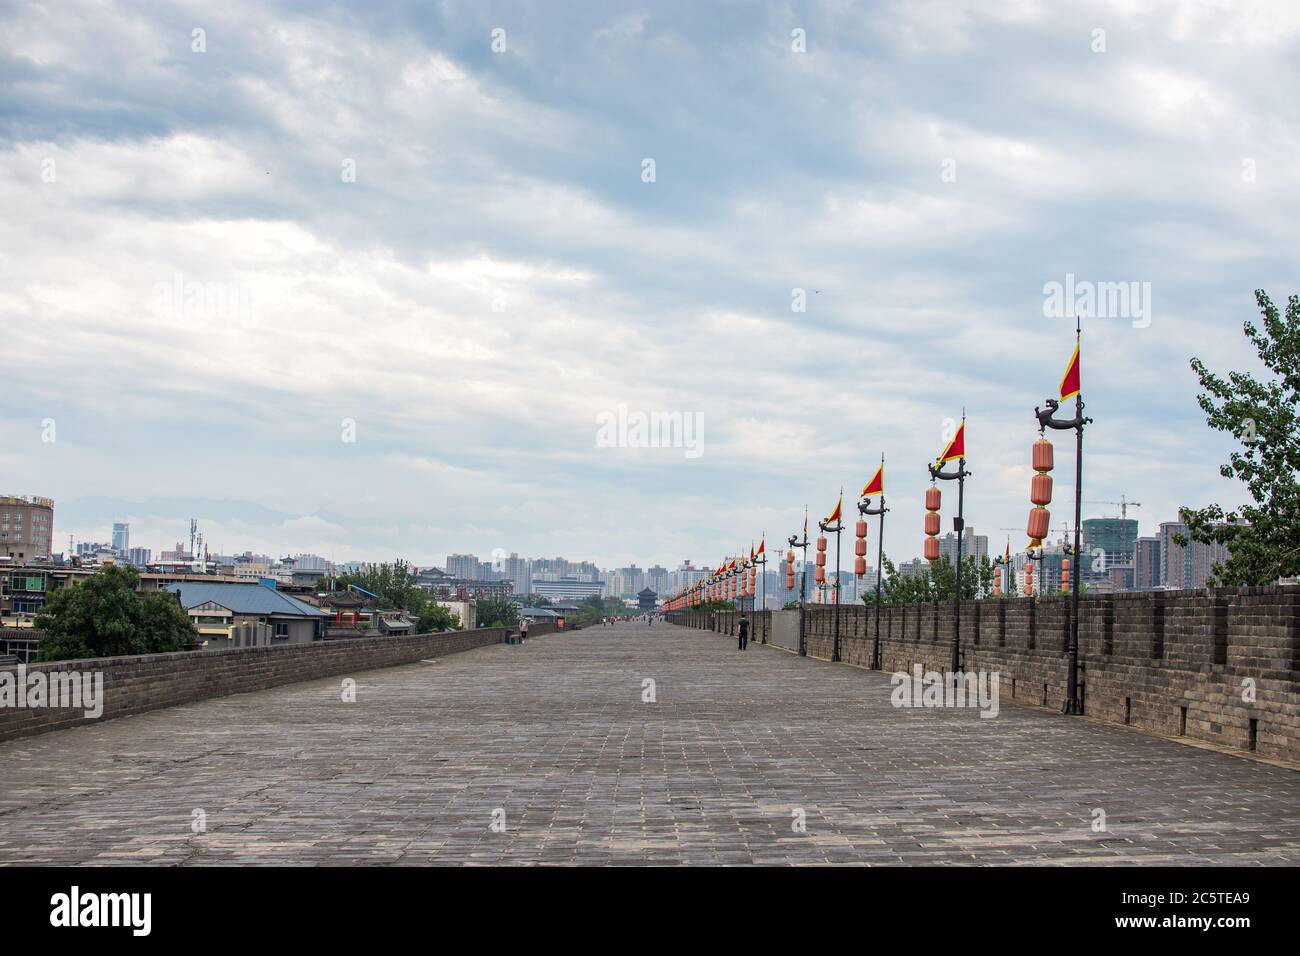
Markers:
(1263, 538)
(394, 585)
(434, 618)
(103, 616)
(499, 611)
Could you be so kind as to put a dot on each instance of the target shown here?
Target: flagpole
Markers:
(961, 474)
(803, 580)
(1072, 704)
(835, 591)
(880, 552)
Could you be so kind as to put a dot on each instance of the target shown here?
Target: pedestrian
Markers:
(523, 629)
(744, 634)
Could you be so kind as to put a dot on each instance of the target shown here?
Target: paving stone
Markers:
(555, 733)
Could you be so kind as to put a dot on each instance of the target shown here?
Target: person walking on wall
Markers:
(743, 628)
(523, 629)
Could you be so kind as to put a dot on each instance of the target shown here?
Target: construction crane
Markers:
(1124, 505)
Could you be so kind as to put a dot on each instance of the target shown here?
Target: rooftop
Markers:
(242, 598)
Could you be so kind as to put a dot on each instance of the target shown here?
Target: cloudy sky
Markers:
(364, 281)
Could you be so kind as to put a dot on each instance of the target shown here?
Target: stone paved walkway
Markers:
(555, 734)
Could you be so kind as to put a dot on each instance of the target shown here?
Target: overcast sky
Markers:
(384, 229)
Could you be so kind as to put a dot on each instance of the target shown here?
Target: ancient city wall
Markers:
(133, 685)
(1216, 665)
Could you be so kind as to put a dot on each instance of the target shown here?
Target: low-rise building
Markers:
(217, 609)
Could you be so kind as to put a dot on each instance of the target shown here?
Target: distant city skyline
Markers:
(162, 539)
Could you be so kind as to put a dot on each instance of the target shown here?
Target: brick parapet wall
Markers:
(133, 685)
(1179, 663)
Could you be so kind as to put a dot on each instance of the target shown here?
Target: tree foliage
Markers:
(434, 618)
(103, 616)
(938, 582)
(1263, 537)
(394, 585)
(595, 608)
(496, 611)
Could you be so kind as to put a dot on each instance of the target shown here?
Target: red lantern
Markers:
(1038, 523)
(932, 498)
(1040, 489)
(789, 581)
(997, 580)
(820, 575)
(821, 542)
(1065, 575)
(860, 565)
(1029, 578)
(1042, 455)
(821, 559)
(932, 549)
(860, 547)
(861, 529)
(932, 522)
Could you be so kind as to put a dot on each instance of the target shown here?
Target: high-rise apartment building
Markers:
(121, 537)
(1115, 538)
(1186, 566)
(26, 527)
(971, 545)
(1146, 564)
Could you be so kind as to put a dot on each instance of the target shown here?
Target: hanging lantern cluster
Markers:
(1029, 578)
(789, 570)
(860, 549)
(1040, 493)
(820, 575)
(753, 580)
(997, 580)
(1065, 575)
(932, 499)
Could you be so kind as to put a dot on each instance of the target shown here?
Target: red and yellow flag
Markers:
(876, 485)
(834, 516)
(957, 447)
(1008, 554)
(761, 542)
(1070, 382)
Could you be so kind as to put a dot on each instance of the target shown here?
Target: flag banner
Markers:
(834, 516)
(876, 485)
(1070, 383)
(957, 447)
(761, 543)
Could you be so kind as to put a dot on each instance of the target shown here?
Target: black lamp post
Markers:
(803, 586)
(958, 523)
(835, 591)
(880, 509)
(1072, 704)
(1002, 561)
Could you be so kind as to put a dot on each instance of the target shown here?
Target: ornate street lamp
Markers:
(760, 561)
(1002, 572)
(833, 523)
(803, 581)
(1071, 384)
(956, 451)
(876, 486)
